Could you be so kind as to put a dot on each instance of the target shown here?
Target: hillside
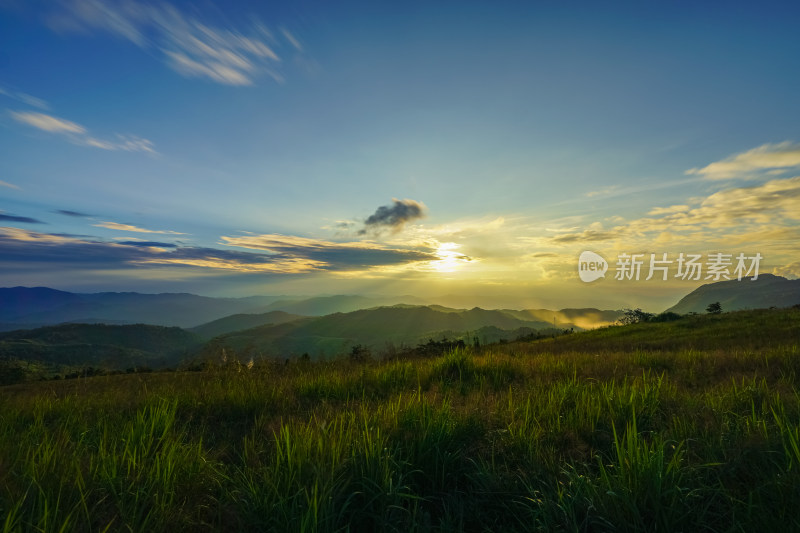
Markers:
(376, 328)
(689, 425)
(736, 330)
(765, 292)
(242, 321)
(99, 345)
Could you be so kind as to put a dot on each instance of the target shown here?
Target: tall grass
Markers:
(508, 438)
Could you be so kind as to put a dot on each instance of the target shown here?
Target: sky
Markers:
(461, 151)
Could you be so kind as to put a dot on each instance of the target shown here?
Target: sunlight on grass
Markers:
(519, 437)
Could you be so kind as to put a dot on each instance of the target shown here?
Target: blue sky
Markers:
(242, 147)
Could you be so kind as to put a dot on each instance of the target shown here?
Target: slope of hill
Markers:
(766, 291)
(113, 347)
(736, 330)
(242, 321)
(336, 333)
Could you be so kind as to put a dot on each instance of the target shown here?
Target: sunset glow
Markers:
(438, 149)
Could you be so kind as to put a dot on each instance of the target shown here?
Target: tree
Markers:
(360, 353)
(714, 309)
(634, 316)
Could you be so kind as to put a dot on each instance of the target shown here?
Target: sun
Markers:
(449, 259)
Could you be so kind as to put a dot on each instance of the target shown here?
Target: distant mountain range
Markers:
(39, 306)
(24, 307)
(326, 305)
(281, 327)
(766, 291)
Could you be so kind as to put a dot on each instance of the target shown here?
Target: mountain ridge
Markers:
(768, 290)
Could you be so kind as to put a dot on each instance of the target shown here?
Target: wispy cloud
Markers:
(791, 271)
(605, 191)
(79, 135)
(668, 210)
(24, 98)
(769, 158)
(226, 55)
(277, 254)
(735, 216)
(9, 185)
(292, 39)
(24, 220)
(134, 229)
(148, 244)
(47, 122)
(333, 255)
(256, 263)
(76, 214)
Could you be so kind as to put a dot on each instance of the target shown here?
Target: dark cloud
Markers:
(394, 216)
(586, 236)
(148, 244)
(69, 213)
(334, 255)
(45, 252)
(26, 220)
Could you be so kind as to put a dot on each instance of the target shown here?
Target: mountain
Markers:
(40, 306)
(242, 321)
(342, 303)
(766, 291)
(376, 328)
(112, 347)
(18, 302)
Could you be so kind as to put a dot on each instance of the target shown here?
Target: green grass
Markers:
(691, 425)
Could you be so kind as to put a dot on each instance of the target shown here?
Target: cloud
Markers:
(192, 48)
(605, 191)
(791, 271)
(29, 250)
(773, 205)
(394, 216)
(9, 185)
(47, 122)
(279, 254)
(76, 214)
(292, 40)
(135, 229)
(668, 210)
(24, 220)
(773, 158)
(585, 236)
(126, 143)
(148, 244)
(79, 134)
(256, 263)
(333, 255)
(24, 98)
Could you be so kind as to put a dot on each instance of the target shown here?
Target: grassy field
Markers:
(692, 425)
